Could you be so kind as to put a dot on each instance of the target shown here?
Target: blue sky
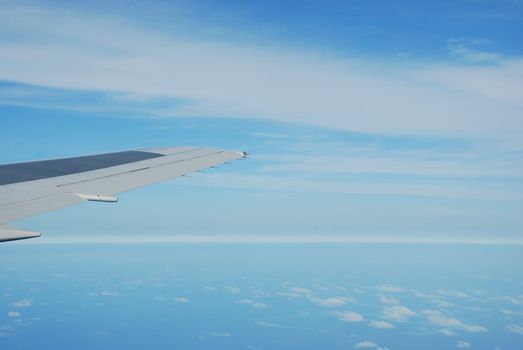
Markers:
(380, 207)
(381, 119)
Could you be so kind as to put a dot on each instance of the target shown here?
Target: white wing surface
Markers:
(35, 187)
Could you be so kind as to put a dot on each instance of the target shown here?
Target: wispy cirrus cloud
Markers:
(257, 81)
(473, 50)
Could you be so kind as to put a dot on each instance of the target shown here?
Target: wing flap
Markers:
(19, 210)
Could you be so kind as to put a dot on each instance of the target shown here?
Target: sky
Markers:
(362, 119)
(384, 142)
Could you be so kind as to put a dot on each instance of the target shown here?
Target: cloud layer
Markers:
(102, 53)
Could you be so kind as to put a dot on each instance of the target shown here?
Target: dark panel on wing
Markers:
(44, 169)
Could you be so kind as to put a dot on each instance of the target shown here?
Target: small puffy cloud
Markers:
(389, 288)
(397, 313)
(108, 293)
(331, 302)
(350, 316)
(366, 345)
(271, 325)
(22, 303)
(14, 314)
(256, 305)
(221, 334)
(510, 312)
(514, 300)
(462, 344)
(209, 288)
(6, 330)
(245, 301)
(515, 328)
(446, 332)
(381, 324)
(260, 306)
(300, 290)
(181, 300)
(451, 293)
(297, 292)
(233, 290)
(437, 318)
(388, 300)
(474, 328)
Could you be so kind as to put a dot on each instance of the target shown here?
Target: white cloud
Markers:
(256, 305)
(469, 50)
(271, 325)
(350, 316)
(108, 293)
(388, 300)
(104, 53)
(232, 290)
(446, 332)
(437, 318)
(330, 302)
(452, 293)
(365, 345)
(517, 300)
(338, 160)
(515, 328)
(221, 334)
(259, 305)
(397, 313)
(381, 324)
(290, 184)
(245, 301)
(462, 344)
(510, 312)
(301, 291)
(14, 314)
(22, 303)
(389, 288)
(181, 300)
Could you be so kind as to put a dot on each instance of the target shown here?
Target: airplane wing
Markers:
(35, 187)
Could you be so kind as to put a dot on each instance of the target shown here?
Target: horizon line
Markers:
(269, 239)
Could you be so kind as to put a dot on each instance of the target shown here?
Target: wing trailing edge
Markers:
(32, 188)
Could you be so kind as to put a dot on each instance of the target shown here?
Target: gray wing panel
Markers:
(19, 200)
(160, 170)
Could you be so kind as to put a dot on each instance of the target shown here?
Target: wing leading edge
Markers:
(32, 188)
